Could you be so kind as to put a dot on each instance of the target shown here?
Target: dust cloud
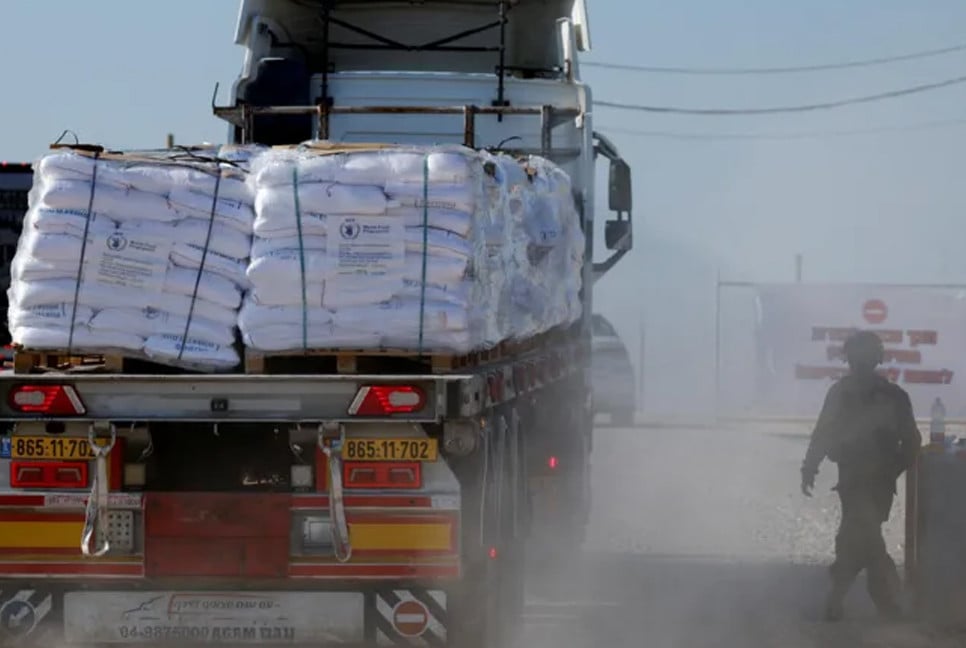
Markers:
(700, 537)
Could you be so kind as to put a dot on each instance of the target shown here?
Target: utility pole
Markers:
(170, 141)
(798, 268)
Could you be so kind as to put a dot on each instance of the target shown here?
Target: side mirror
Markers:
(619, 182)
(617, 235)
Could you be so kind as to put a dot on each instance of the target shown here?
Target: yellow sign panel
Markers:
(40, 535)
(55, 448)
(416, 449)
(401, 537)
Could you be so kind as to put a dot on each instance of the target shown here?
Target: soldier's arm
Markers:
(822, 435)
(910, 438)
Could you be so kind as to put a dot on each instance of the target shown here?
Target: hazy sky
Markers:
(884, 207)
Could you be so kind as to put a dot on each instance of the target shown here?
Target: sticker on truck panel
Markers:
(214, 617)
(410, 617)
(21, 611)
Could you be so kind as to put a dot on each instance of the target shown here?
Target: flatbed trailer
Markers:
(344, 436)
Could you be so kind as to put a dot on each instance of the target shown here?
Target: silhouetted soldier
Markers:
(866, 427)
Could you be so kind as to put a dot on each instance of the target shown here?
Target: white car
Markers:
(614, 384)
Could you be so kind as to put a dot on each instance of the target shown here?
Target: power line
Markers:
(892, 94)
(884, 60)
(710, 136)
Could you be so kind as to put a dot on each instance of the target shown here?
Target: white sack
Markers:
(148, 177)
(177, 281)
(147, 322)
(322, 198)
(50, 316)
(168, 348)
(286, 337)
(24, 294)
(125, 205)
(39, 338)
(278, 220)
(379, 168)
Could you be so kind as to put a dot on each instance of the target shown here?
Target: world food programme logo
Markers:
(350, 230)
(116, 242)
(17, 618)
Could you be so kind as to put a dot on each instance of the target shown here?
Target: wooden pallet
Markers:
(27, 361)
(355, 361)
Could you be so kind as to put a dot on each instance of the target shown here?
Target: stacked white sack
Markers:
(359, 244)
(151, 222)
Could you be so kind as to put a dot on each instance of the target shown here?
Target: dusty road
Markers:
(701, 538)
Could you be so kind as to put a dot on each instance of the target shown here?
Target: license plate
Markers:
(390, 450)
(52, 448)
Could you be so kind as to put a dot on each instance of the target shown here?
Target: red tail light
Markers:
(383, 400)
(53, 400)
(382, 474)
(48, 474)
(552, 463)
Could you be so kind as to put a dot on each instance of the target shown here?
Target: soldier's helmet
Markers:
(864, 350)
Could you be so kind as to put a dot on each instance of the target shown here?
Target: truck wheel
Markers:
(475, 609)
(488, 607)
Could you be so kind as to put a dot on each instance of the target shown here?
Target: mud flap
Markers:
(407, 617)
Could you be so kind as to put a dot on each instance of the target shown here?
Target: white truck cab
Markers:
(497, 74)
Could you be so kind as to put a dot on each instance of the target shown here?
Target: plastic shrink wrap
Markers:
(425, 249)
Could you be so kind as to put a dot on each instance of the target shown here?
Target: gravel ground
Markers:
(727, 493)
(701, 538)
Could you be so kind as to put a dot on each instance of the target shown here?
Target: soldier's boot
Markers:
(884, 587)
(835, 600)
(835, 604)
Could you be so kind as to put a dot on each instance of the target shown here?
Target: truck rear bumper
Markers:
(120, 613)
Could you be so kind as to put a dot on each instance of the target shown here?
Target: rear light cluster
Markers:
(386, 400)
(49, 400)
(382, 475)
(48, 474)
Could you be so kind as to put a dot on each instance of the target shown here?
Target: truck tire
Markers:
(473, 613)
